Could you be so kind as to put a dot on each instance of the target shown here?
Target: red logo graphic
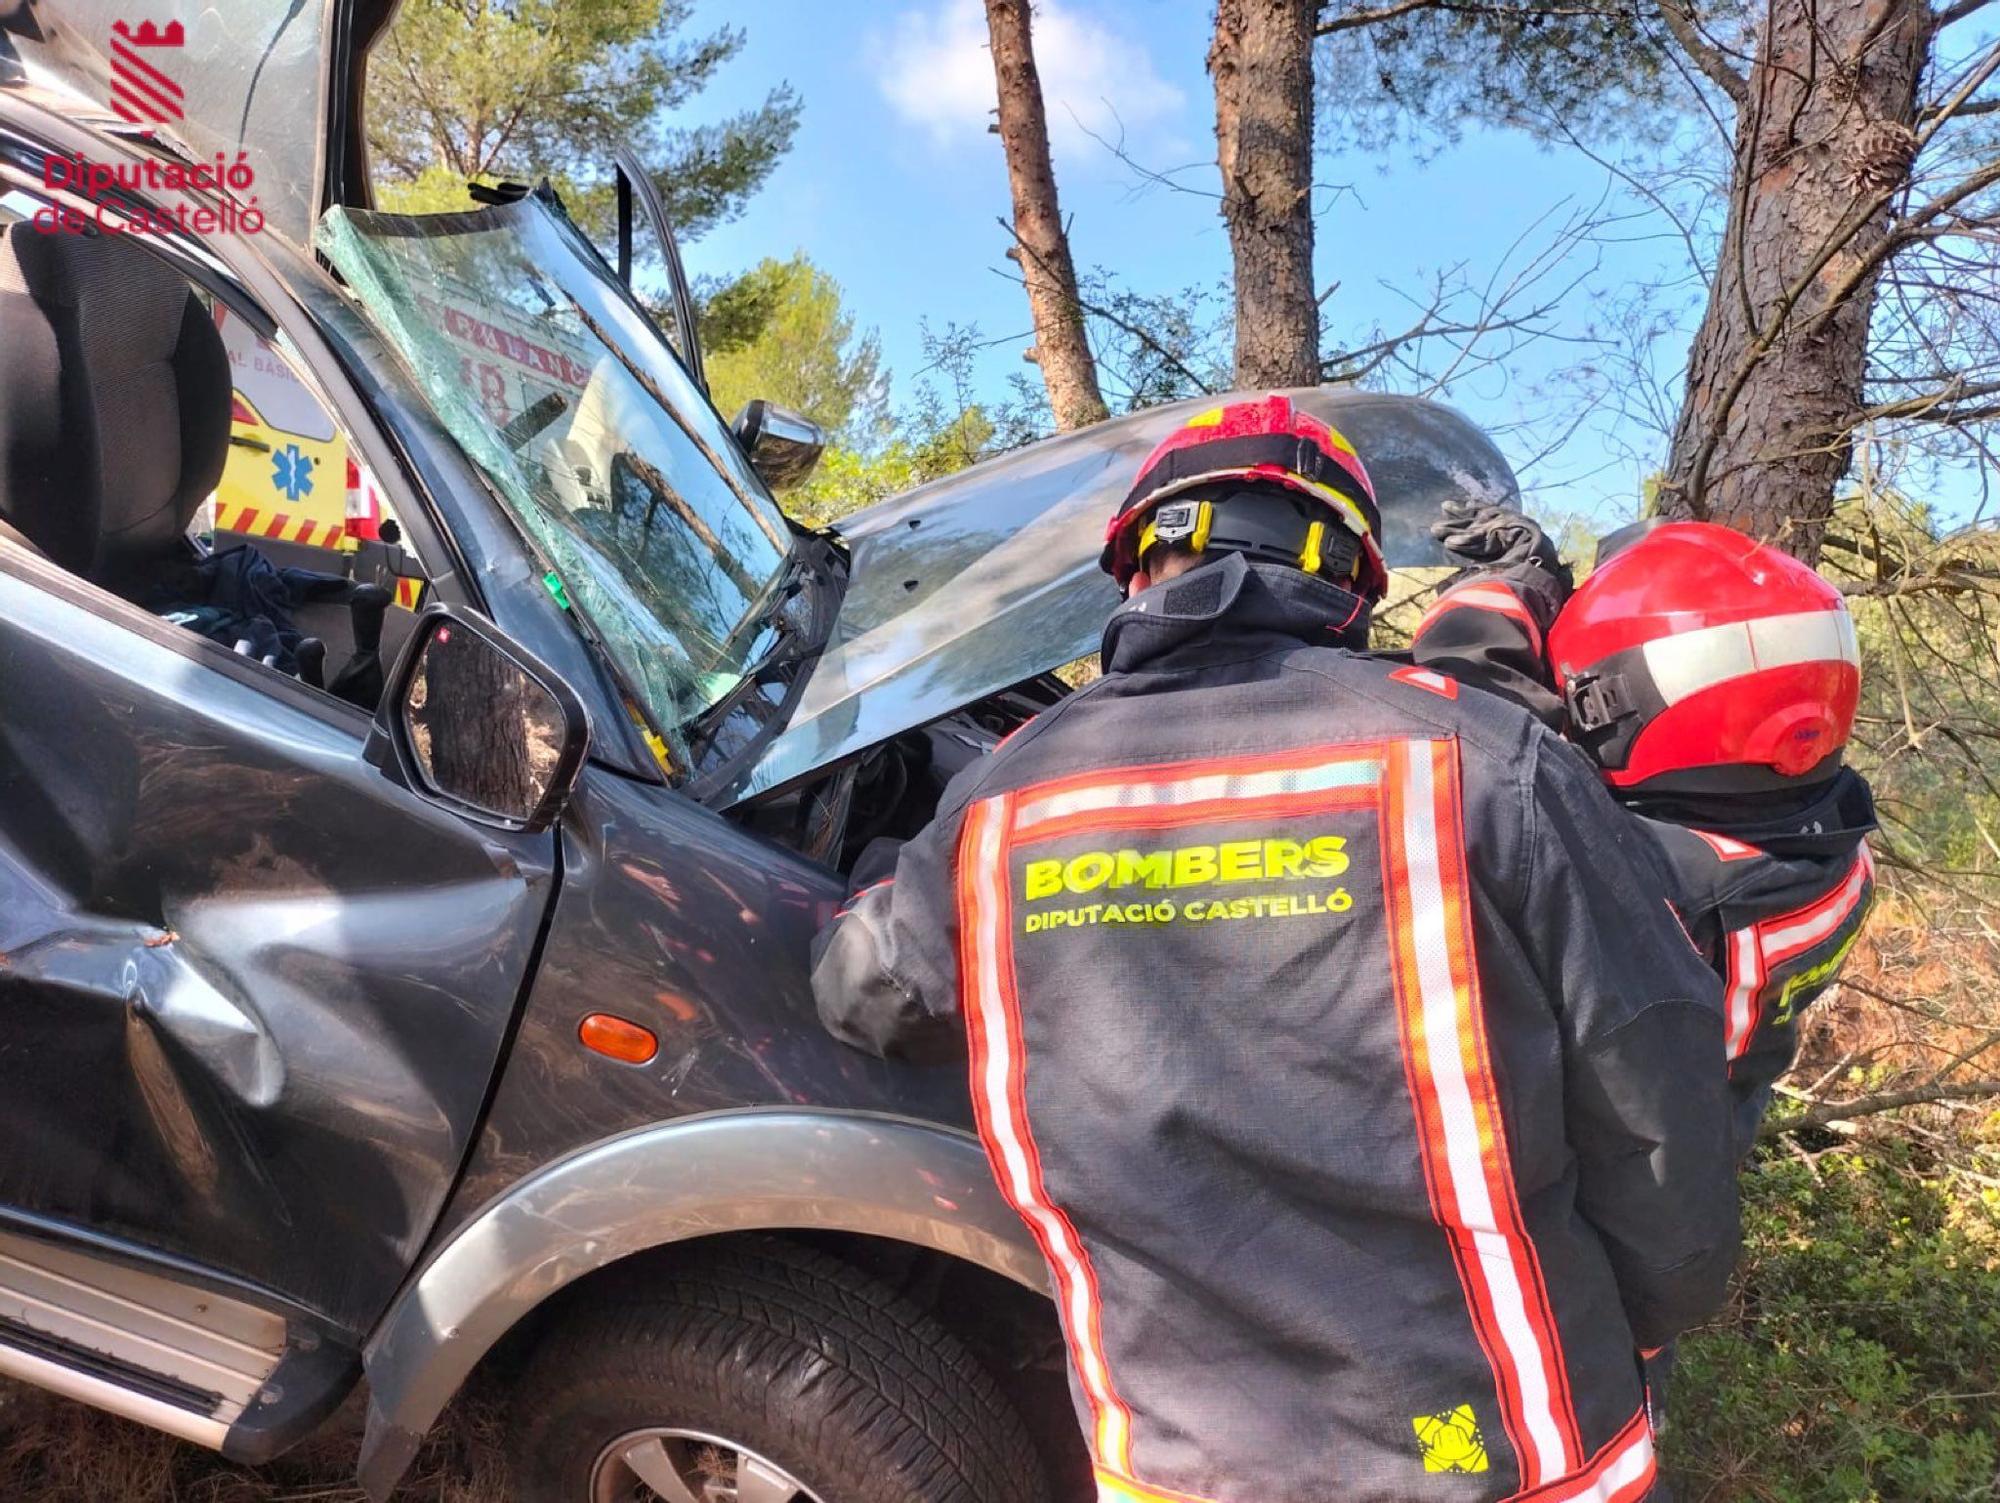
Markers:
(140, 89)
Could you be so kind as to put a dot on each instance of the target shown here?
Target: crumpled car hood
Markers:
(976, 582)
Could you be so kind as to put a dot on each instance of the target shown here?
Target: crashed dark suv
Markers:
(451, 1012)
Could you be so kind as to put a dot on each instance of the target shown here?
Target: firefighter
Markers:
(1326, 1027)
(1713, 680)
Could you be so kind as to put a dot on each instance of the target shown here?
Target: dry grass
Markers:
(56, 1452)
(1919, 1001)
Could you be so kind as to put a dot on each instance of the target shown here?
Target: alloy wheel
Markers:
(663, 1465)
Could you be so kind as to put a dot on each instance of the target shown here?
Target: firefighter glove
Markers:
(1481, 535)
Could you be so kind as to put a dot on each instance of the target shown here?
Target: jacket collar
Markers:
(1825, 821)
(1225, 601)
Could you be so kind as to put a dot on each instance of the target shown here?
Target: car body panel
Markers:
(253, 992)
(988, 577)
(672, 917)
(805, 1169)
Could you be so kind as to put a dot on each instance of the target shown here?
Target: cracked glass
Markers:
(582, 420)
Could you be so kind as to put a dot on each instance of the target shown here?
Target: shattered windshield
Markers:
(590, 432)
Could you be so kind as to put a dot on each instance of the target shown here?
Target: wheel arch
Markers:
(884, 1177)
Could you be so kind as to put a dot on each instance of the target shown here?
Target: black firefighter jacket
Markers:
(1774, 894)
(1334, 1039)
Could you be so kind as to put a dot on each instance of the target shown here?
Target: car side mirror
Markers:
(782, 446)
(472, 721)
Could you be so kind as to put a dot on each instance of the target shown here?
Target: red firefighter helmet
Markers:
(1697, 660)
(1236, 456)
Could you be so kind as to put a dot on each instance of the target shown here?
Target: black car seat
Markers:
(114, 403)
(114, 426)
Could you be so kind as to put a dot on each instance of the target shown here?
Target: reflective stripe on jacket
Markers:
(1774, 898)
(1333, 1038)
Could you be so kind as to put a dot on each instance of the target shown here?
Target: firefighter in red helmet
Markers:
(1326, 1027)
(1713, 680)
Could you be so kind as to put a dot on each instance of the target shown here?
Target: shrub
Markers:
(1860, 1357)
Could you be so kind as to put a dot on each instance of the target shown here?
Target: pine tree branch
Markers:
(1829, 1112)
(1353, 20)
(1958, 12)
(1856, 273)
(1704, 54)
(1961, 97)
(1095, 310)
(1945, 404)
(1945, 582)
(1967, 111)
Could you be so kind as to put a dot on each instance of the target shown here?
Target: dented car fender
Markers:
(735, 1171)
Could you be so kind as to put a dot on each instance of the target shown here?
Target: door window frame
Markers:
(275, 284)
(208, 269)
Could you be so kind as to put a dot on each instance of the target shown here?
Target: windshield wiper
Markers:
(794, 644)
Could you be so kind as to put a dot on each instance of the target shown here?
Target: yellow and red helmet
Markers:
(1264, 443)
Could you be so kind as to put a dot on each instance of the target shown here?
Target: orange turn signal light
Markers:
(618, 1038)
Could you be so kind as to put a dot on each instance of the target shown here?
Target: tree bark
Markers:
(1261, 61)
(1061, 348)
(482, 727)
(1775, 377)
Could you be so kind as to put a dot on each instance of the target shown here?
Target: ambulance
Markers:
(289, 485)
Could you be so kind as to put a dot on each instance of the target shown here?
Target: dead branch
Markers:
(1859, 271)
(1827, 1113)
(1941, 405)
(1959, 97)
(1495, 309)
(1942, 582)
(1355, 19)
(1701, 52)
(1165, 179)
(1972, 109)
(1958, 12)
(1098, 310)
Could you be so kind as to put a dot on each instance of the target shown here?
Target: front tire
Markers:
(759, 1371)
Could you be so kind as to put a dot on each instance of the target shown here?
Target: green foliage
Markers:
(732, 311)
(848, 479)
(942, 431)
(1860, 1360)
(527, 88)
(435, 190)
(1928, 730)
(779, 332)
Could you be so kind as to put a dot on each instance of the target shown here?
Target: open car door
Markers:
(648, 259)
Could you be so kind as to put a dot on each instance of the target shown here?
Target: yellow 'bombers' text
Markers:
(1187, 866)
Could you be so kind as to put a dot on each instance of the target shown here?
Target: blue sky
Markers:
(894, 187)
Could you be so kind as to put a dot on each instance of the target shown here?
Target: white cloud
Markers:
(935, 70)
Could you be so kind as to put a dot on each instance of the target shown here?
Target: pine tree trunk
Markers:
(1061, 349)
(479, 723)
(1261, 61)
(1774, 383)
